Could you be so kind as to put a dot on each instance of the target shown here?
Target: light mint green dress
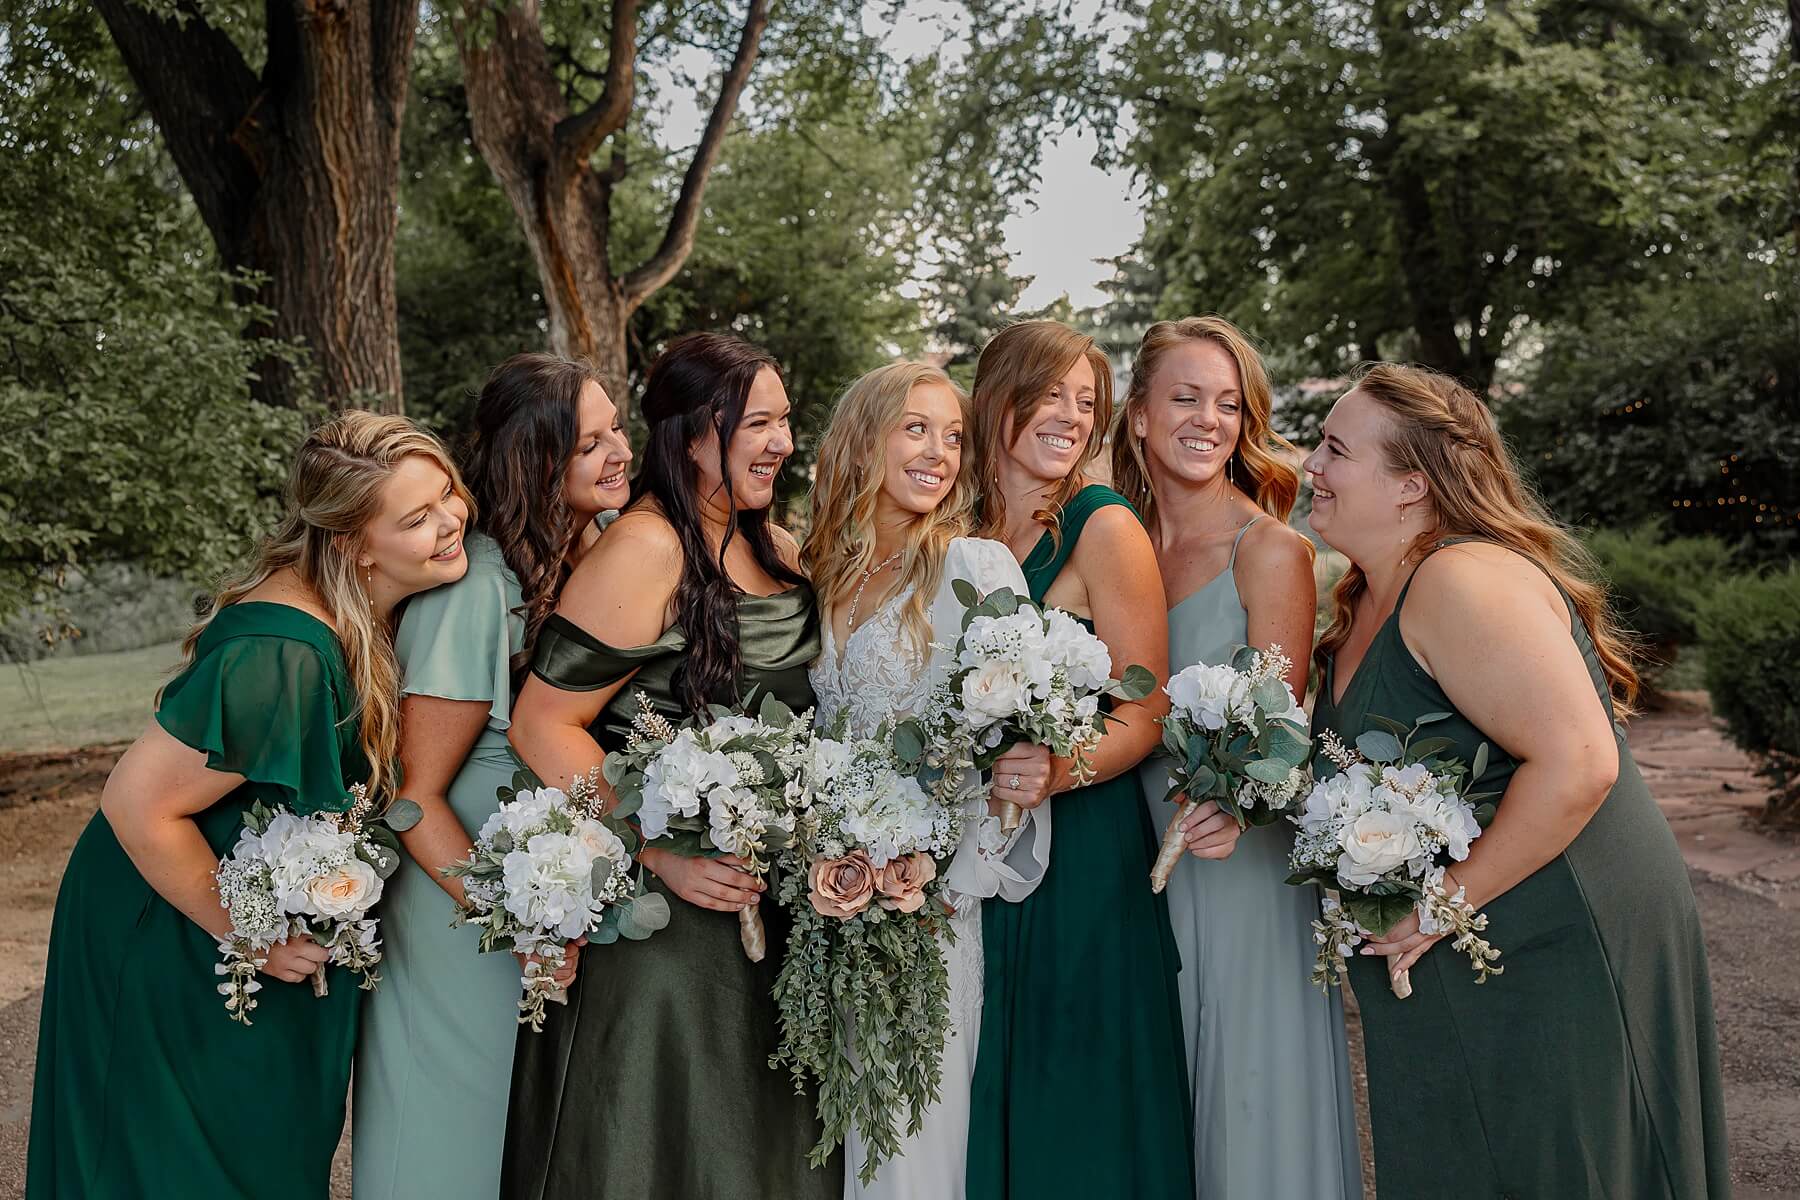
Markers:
(434, 1060)
(1273, 1115)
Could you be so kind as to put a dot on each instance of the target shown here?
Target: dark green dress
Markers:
(144, 1085)
(1081, 1083)
(654, 1081)
(1590, 1068)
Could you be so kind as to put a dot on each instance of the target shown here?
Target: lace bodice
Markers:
(879, 675)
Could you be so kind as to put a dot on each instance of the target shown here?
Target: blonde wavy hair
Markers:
(333, 492)
(1261, 464)
(1440, 429)
(847, 480)
(1017, 369)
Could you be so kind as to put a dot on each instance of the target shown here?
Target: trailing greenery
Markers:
(1750, 631)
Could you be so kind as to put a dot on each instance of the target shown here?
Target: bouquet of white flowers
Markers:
(1021, 673)
(1377, 836)
(864, 990)
(724, 787)
(547, 869)
(1238, 736)
(316, 876)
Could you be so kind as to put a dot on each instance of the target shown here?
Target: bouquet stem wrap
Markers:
(319, 986)
(1172, 846)
(1400, 981)
(751, 934)
(1011, 816)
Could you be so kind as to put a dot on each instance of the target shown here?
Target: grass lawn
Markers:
(70, 702)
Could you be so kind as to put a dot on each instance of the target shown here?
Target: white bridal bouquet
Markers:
(1237, 736)
(547, 869)
(864, 990)
(1377, 836)
(316, 876)
(1020, 673)
(724, 787)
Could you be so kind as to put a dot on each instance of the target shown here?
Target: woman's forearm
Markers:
(438, 840)
(174, 858)
(559, 754)
(1545, 807)
(1130, 737)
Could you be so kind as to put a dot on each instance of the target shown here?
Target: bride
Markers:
(889, 504)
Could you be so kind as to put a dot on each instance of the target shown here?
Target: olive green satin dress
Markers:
(654, 1083)
(1081, 1079)
(144, 1086)
(1590, 1067)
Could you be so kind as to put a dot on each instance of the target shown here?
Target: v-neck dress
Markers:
(1590, 1067)
(1081, 1077)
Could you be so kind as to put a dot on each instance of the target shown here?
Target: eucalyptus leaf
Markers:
(1202, 782)
(1137, 682)
(402, 815)
(965, 593)
(1478, 768)
(909, 743)
(1243, 658)
(1270, 695)
(1267, 770)
(628, 805)
(1428, 747)
(1431, 718)
(1379, 746)
(1004, 602)
(1288, 742)
(651, 911)
(1377, 914)
(1394, 727)
(774, 710)
(1174, 740)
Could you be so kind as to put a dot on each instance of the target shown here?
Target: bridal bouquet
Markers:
(1238, 736)
(1020, 673)
(725, 787)
(547, 869)
(1379, 834)
(316, 876)
(864, 991)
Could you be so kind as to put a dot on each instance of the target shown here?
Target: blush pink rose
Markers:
(902, 882)
(842, 887)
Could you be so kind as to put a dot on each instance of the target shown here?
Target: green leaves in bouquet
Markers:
(381, 848)
(965, 593)
(1384, 906)
(257, 817)
(909, 744)
(1380, 747)
(1136, 683)
(402, 815)
(1243, 660)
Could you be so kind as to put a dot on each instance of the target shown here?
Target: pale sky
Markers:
(1078, 213)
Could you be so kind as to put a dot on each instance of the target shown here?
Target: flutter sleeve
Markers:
(263, 707)
(456, 642)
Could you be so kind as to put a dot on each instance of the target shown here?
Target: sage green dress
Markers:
(1080, 1084)
(434, 1060)
(144, 1085)
(1590, 1068)
(654, 1083)
(1273, 1111)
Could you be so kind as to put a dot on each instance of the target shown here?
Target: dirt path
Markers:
(1747, 882)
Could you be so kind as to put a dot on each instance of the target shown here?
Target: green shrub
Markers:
(1750, 632)
(1658, 584)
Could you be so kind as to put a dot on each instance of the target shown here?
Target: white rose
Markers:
(597, 841)
(1374, 844)
(995, 692)
(351, 888)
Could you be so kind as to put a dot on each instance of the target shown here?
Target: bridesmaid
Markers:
(434, 1060)
(288, 696)
(1080, 1084)
(1273, 1114)
(1590, 1067)
(654, 1081)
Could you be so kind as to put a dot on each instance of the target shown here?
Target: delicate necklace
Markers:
(884, 564)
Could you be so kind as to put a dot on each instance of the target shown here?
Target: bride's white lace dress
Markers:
(877, 677)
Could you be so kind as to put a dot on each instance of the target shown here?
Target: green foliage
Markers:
(1676, 401)
(1658, 584)
(126, 429)
(1750, 630)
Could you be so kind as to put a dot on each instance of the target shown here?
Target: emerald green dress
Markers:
(1081, 1083)
(434, 1059)
(1590, 1067)
(654, 1082)
(144, 1085)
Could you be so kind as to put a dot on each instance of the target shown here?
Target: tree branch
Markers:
(206, 102)
(577, 137)
(678, 239)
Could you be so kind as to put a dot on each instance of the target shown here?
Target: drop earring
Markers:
(369, 586)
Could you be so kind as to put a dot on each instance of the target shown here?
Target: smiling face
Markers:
(415, 541)
(595, 479)
(759, 445)
(1055, 436)
(1193, 412)
(1358, 501)
(923, 454)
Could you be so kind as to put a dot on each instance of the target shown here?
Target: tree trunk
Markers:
(1794, 91)
(295, 172)
(540, 152)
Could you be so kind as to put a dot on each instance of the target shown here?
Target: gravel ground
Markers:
(1754, 943)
